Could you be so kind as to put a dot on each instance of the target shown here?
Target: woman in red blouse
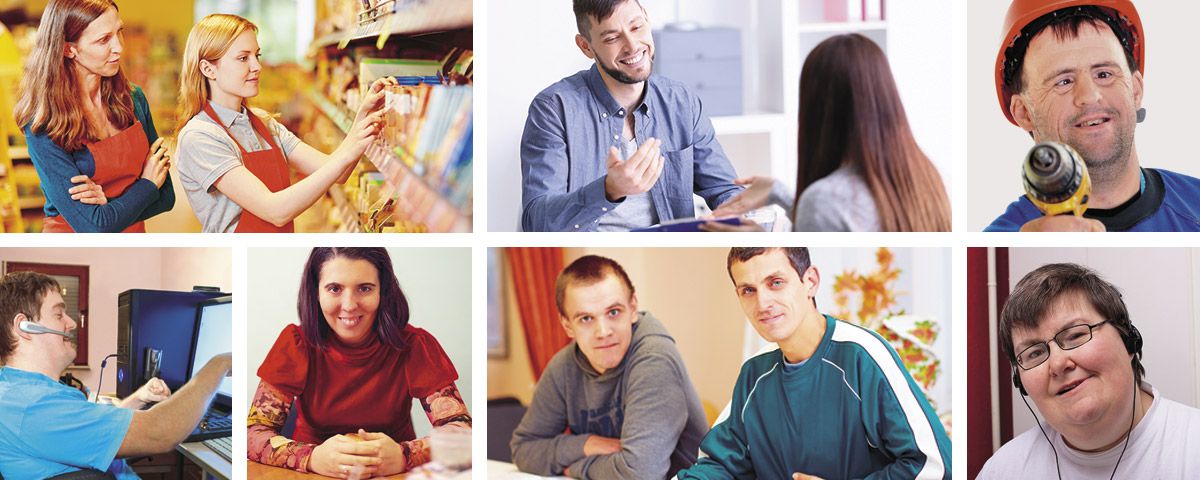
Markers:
(352, 368)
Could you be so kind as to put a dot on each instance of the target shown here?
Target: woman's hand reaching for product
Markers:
(373, 98)
(86, 191)
(362, 133)
(341, 456)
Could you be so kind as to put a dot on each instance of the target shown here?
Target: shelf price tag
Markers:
(385, 31)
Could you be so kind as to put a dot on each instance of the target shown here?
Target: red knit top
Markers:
(345, 388)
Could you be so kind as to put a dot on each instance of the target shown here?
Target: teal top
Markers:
(849, 411)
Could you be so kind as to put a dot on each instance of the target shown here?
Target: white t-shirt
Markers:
(1164, 445)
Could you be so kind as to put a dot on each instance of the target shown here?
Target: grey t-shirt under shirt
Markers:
(206, 152)
(636, 211)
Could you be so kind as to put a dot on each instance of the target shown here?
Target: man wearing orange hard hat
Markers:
(1070, 71)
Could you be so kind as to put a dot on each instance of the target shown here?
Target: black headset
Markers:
(1133, 345)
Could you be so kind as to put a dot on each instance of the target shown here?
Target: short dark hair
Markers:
(585, 10)
(390, 319)
(21, 292)
(1065, 24)
(1041, 288)
(797, 256)
(587, 270)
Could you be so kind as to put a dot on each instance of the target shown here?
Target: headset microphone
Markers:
(30, 327)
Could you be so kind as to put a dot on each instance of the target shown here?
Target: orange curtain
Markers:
(533, 273)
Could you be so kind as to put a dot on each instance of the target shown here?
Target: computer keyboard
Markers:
(214, 424)
(222, 445)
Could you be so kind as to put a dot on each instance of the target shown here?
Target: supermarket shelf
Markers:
(412, 17)
(18, 153)
(345, 213)
(339, 116)
(841, 27)
(26, 203)
(417, 200)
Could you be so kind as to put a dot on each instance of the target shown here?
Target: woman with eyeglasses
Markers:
(1077, 356)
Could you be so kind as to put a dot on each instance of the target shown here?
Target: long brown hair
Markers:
(49, 101)
(850, 114)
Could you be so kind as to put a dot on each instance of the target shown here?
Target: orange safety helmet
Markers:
(1023, 12)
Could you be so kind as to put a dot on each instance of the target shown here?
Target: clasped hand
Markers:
(363, 455)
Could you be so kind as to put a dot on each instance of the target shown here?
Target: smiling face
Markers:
(98, 49)
(1085, 388)
(1080, 91)
(600, 318)
(349, 296)
(773, 296)
(234, 76)
(622, 44)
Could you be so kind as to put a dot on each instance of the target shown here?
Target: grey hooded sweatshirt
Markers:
(647, 401)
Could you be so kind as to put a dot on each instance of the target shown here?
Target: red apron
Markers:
(268, 165)
(119, 160)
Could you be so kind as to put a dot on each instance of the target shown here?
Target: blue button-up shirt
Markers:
(48, 429)
(568, 132)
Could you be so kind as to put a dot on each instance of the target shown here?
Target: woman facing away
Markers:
(101, 164)
(860, 168)
(234, 161)
(351, 369)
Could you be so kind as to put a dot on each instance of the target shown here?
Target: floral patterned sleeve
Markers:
(443, 407)
(264, 444)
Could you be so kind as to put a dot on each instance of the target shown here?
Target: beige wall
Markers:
(688, 289)
(511, 376)
(115, 270)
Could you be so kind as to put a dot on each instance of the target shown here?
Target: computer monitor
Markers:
(214, 336)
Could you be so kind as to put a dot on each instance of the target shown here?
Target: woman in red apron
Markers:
(100, 140)
(234, 162)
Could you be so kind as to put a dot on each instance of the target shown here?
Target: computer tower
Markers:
(158, 319)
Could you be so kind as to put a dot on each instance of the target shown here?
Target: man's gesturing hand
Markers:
(635, 174)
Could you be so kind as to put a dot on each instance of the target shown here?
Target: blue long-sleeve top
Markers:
(565, 144)
(55, 167)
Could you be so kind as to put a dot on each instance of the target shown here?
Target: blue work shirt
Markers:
(1170, 202)
(571, 126)
(55, 167)
(48, 429)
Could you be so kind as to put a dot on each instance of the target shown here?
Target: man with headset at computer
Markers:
(49, 429)
(1077, 355)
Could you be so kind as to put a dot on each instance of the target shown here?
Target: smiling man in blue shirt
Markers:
(615, 147)
(48, 429)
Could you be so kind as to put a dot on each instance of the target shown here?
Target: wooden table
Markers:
(257, 470)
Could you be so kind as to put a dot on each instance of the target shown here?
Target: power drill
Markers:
(1056, 179)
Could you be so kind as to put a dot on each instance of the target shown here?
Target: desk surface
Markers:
(207, 459)
(507, 471)
(258, 471)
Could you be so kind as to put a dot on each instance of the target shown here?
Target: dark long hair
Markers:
(850, 114)
(390, 318)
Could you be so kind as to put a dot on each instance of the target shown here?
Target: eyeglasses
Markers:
(1067, 339)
